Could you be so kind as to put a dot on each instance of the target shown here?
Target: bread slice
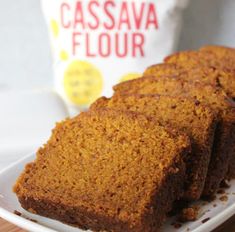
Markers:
(207, 75)
(200, 66)
(106, 170)
(225, 60)
(231, 168)
(221, 53)
(185, 115)
(223, 148)
(218, 58)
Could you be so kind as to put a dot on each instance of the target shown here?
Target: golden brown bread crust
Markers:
(106, 170)
(218, 58)
(203, 66)
(222, 60)
(221, 53)
(208, 94)
(223, 145)
(231, 169)
(191, 59)
(223, 152)
(227, 57)
(183, 114)
(207, 75)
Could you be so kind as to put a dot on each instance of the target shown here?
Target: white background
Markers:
(25, 59)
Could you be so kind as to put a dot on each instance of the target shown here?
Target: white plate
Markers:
(9, 203)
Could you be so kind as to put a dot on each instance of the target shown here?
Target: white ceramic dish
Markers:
(217, 211)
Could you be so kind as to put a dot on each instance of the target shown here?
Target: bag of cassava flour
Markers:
(99, 43)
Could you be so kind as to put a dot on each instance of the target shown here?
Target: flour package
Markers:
(99, 43)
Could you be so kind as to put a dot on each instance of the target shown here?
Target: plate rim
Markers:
(15, 219)
(23, 222)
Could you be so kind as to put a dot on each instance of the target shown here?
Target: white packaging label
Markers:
(97, 44)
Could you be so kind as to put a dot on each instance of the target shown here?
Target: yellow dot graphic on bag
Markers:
(83, 82)
(129, 76)
(64, 55)
(54, 28)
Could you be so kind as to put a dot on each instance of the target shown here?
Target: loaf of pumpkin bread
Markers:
(106, 170)
(215, 98)
(186, 116)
